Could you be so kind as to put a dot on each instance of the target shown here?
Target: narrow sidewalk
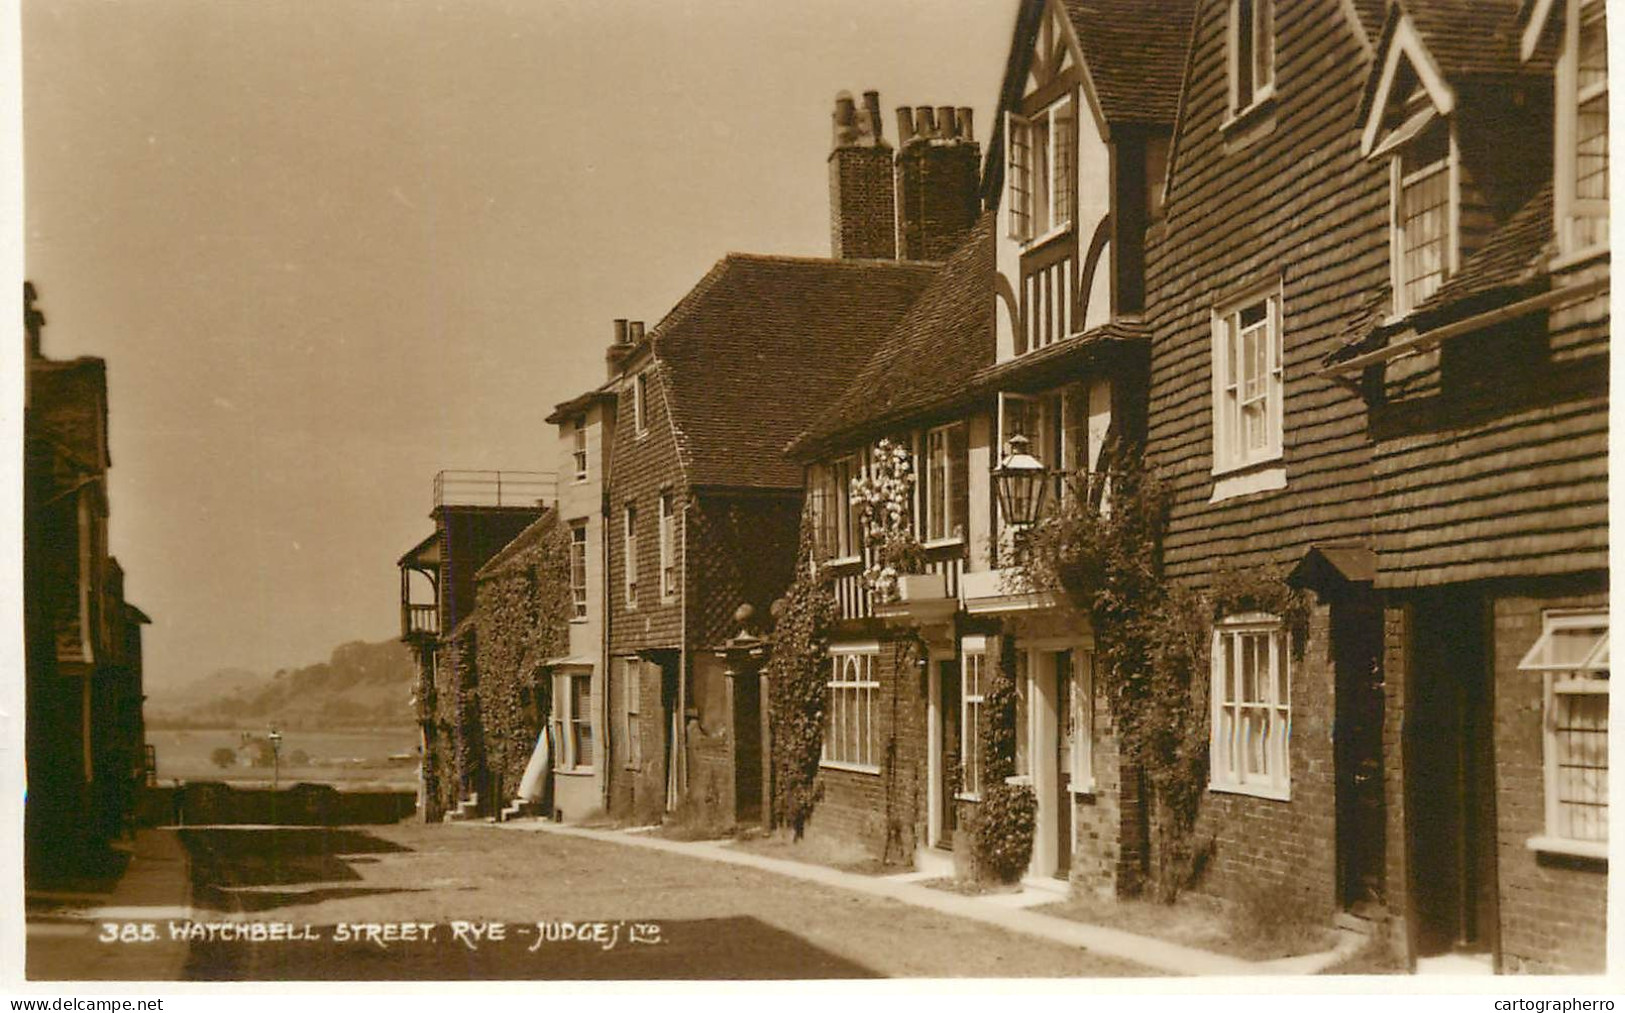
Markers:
(64, 930)
(1149, 952)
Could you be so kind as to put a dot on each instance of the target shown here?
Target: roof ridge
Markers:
(790, 258)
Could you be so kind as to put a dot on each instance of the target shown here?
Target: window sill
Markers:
(1255, 790)
(641, 434)
(668, 599)
(1244, 126)
(574, 771)
(1237, 482)
(1574, 849)
(578, 621)
(843, 561)
(1039, 242)
(851, 768)
(1019, 780)
(580, 480)
(968, 796)
(955, 542)
(1082, 789)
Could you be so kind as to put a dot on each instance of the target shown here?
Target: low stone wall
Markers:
(215, 802)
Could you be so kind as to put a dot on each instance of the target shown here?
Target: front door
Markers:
(949, 768)
(747, 727)
(1450, 776)
(1362, 811)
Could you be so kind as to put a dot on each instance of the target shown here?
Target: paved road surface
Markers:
(654, 915)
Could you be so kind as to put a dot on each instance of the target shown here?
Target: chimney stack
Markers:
(618, 348)
(862, 190)
(938, 181)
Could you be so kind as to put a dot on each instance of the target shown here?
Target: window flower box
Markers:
(922, 587)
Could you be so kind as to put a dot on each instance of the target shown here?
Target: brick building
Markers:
(86, 756)
(1033, 328)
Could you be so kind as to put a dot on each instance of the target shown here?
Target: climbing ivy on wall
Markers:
(522, 610)
(796, 681)
(1152, 643)
(1004, 821)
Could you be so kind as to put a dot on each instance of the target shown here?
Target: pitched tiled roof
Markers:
(1472, 38)
(927, 361)
(1135, 50)
(1059, 361)
(758, 348)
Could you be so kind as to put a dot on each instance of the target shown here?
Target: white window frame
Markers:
(1572, 211)
(567, 723)
(1056, 177)
(629, 552)
(1227, 771)
(1260, 73)
(1399, 182)
(578, 452)
(973, 673)
(640, 403)
(668, 547)
(944, 495)
(631, 707)
(1560, 678)
(844, 473)
(1230, 396)
(851, 694)
(578, 568)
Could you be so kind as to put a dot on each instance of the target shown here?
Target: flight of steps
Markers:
(519, 809)
(467, 809)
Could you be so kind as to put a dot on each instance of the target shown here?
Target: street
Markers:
(471, 902)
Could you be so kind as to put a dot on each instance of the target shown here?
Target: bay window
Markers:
(1251, 705)
(572, 720)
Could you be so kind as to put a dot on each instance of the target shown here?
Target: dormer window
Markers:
(1582, 130)
(1041, 170)
(1424, 209)
(1252, 53)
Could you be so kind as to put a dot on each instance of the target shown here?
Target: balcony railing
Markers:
(495, 488)
(420, 620)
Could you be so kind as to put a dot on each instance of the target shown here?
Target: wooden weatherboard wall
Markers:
(1280, 195)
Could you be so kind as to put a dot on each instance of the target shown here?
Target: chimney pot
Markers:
(947, 128)
(871, 106)
(925, 122)
(905, 124)
(966, 132)
(846, 128)
(620, 330)
(634, 332)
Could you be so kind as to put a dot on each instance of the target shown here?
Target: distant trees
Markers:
(223, 757)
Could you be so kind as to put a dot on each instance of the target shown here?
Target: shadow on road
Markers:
(225, 860)
(727, 948)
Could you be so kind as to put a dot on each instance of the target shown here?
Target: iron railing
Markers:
(495, 488)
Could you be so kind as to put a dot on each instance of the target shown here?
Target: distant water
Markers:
(342, 757)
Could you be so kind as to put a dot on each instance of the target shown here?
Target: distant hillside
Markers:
(361, 685)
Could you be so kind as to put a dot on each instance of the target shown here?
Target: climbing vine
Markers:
(796, 681)
(1003, 825)
(523, 605)
(884, 498)
(1152, 643)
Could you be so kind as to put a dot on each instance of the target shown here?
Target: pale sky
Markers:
(330, 247)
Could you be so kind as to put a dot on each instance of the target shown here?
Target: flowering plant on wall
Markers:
(884, 500)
